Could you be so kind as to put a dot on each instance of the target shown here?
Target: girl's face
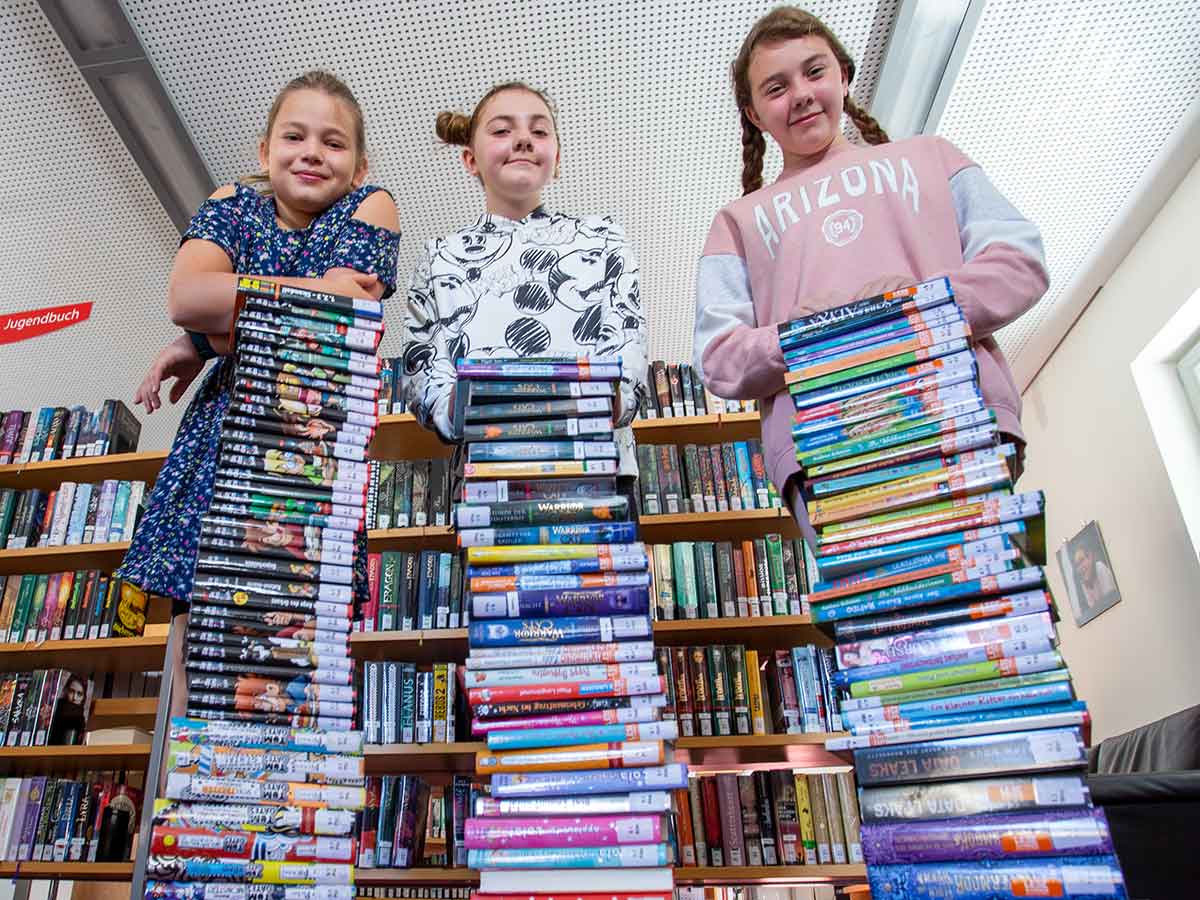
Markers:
(797, 92)
(515, 149)
(310, 155)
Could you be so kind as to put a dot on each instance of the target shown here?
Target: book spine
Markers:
(806, 821)
(787, 824)
(595, 831)
(730, 806)
(589, 783)
(1078, 876)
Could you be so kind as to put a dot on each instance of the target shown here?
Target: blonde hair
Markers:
(328, 83)
(459, 130)
(786, 23)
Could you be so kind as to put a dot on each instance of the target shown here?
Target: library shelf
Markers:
(727, 753)
(714, 428)
(139, 654)
(68, 871)
(427, 537)
(432, 876)
(734, 524)
(116, 712)
(400, 437)
(435, 645)
(707, 875)
(52, 759)
(48, 475)
(37, 560)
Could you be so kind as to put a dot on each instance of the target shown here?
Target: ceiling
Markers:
(1064, 104)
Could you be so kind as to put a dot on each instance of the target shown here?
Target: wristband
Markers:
(203, 347)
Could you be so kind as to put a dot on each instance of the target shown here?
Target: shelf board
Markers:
(117, 712)
(734, 524)
(768, 874)
(754, 633)
(139, 654)
(451, 644)
(48, 475)
(429, 537)
(400, 437)
(68, 871)
(24, 760)
(36, 560)
(728, 753)
(382, 877)
(439, 645)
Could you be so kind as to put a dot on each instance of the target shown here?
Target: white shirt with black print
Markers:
(547, 284)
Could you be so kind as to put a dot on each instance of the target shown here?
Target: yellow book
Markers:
(820, 818)
(632, 754)
(439, 703)
(540, 469)
(758, 717)
(808, 833)
(515, 553)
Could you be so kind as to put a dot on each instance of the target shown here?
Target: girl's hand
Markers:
(884, 285)
(177, 360)
(351, 283)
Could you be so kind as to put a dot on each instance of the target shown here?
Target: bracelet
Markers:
(203, 347)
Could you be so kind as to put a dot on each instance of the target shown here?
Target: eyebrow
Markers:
(301, 125)
(819, 56)
(537, 117)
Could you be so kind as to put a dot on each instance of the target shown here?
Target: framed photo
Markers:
(1087, 572)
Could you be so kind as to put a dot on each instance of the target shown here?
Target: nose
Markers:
(522, 141)
(312, 151)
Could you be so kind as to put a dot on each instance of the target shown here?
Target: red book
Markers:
(712, 820)
(374, 576)
(701, 695)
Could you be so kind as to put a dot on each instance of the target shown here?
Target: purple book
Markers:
(1076, 833)
(563, 602)
(10, 430)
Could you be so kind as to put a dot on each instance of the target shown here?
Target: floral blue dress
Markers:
(162, 557)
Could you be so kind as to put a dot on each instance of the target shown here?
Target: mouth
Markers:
(310, 177)
(520, 162)
(806, 120)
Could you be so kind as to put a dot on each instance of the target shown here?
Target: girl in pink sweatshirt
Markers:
(843, 222)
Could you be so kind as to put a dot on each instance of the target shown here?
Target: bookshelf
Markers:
(68, 871)
(63, 760)
(767, 874)
(731, 525)
(138, 654)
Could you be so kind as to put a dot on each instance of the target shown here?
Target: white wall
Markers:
(1091, 450)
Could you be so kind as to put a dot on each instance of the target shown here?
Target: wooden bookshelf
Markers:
(138, 654)
(768, 874)
(732, 525)
(48, 475)
(429, 537)
(52, 759)
(450, 644)
(400, 437)
(36, 560)
(431, 876)
(727, 753)
(715, 428)
(68, 871)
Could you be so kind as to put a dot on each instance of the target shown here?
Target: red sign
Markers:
(32, 323)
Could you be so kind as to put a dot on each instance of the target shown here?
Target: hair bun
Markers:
(454, 128)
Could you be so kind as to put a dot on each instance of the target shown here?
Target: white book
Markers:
(136, 491)
(10, 789)
(63, 503)
(12, 847)
(518, 881)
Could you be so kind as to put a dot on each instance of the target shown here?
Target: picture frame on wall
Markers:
(1088, 574)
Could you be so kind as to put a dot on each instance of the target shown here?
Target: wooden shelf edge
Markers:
(768, 874)
(68, 871)
(433, 876)
(101, 655)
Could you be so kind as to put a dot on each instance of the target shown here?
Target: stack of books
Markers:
(270, 681)
(946, 648)
(561, 677)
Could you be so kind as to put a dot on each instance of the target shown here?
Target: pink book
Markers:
(730, 803)
(620, 716)
(573, 831)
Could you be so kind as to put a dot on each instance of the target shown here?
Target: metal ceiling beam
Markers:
(924, 56)
(112, 61)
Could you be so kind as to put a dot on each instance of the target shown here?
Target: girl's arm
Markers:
(623, 334)
(429, 376)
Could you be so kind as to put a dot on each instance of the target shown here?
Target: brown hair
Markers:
(327, 82)
(782, 24)
(459, 130)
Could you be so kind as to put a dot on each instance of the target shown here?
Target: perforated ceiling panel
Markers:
(1064, 104)
(77, 222)
(648, 126)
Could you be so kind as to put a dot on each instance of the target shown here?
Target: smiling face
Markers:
(798, 92)
(514, 151)
(311, 155)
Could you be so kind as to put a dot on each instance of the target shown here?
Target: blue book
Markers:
(116, 529)
(839, 564)
(802, 399)
(1078, 877)
(567, 630)
(534, 738)
(580, 533)
(1022, 646)
(884, 330)
(892, 345)
(988, 547)
(441, 618)
(265, 737)
(83, 494)
(631, 856)
(904, 414)
(859, 313)
(915, 726)
(601, 781)
(745, 474)
(625, 562)
(919, 710)
(959, 420)
(600, 601)
(572, 582)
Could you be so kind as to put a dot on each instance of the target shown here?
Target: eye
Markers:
(816, 72)
(291, 136)
(336, 145)
(541, 132)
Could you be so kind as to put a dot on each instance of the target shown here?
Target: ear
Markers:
(360, 173)
(263, 156)
(469, 163)
(753, 117)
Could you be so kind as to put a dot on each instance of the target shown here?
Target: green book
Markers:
(726, 583)
(384, 500)
(779, 596)
(945, 675)
(706, 580)
(687, 598)
(739, 688)
(664, 581)
(722, 702)
(389, 590)
(32, 612)
(971, 687)
(16, 631)
(402, 478)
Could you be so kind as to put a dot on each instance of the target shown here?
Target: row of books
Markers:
(71, 514)
(45, 707)
(756, 892)
(725, 690)
(951, 685)
(414, 591)
(403, 703)
(767, 576)
(84, 605)
(676, 391)
(768, 819)
(712, 478)
(407, 493)
(56, 432)
(47, 819)
(560, 678)
(411, 823)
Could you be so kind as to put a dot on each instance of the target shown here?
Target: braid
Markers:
(754, 148)
(871, 130)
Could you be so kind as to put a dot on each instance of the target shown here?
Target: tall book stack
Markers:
(561, 677)
(265, 777)
(968, 740)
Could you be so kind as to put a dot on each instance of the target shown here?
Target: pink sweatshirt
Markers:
(809, 241)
